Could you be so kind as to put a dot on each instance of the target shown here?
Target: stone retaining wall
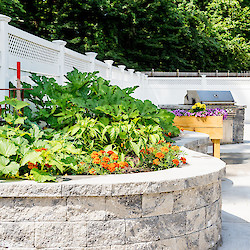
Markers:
(171, 209)
(193, 140)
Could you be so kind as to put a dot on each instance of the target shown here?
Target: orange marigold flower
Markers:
(40, 149)
(32, 165)
(82, 162)
(123, 164)
(165, 149)
(114, 156)
(151, 150)
(106, 159)
(169, 133)
(96, 160)
(184, 160)
(176, 162)
(175, 148)
(48, 166)
(156, 161)
(105, 165)
(159, 155)
(101, 152)
(111, 167)
(92, 171)
(94, 154)
(110, 152)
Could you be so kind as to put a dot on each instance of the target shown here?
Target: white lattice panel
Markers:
(71, 62)
(23, 48)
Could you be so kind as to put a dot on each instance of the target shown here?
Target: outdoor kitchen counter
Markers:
(233, 126)
(178, 208)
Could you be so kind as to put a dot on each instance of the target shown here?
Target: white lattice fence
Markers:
(52, 59)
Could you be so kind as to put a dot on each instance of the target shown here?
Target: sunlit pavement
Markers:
(236, 195)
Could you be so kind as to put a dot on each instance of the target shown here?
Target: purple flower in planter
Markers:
(205, 113)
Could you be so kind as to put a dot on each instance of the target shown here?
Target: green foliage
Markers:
(13, 9)
(41, 176)
(69, 122)
(22, 150)
(98, 114)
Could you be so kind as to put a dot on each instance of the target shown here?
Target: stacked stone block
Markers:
(175, 209)
(183, 218)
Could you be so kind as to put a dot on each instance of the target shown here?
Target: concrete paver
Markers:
(236, 195)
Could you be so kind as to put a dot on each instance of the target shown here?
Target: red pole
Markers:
(18, 70)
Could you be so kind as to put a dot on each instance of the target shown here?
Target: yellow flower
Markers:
(203, 106)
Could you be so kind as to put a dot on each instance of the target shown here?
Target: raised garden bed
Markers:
(178, 208)
(211, 125)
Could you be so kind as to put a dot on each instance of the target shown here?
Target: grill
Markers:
(233, 127)
(209, 97)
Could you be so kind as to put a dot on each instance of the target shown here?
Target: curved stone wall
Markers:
(177, 208)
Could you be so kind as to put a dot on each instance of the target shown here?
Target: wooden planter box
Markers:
(211, 125)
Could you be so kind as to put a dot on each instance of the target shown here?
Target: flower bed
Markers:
(177, 208)
(200, 110)
(73, 128)
(200, 119)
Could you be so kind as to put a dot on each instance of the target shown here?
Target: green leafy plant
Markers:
(64, 125)
(111, 115)
(33, 152)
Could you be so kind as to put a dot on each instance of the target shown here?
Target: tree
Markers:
(163, 34)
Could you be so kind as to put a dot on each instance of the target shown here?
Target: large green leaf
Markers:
(36, 132)
(12, 168)
(20, 120)
(33, 157)
(4, 161)
(135, 147)
(42, 176)
(14, 103)
(7, 148)
(58, 164)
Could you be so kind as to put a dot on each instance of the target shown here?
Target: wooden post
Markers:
(177, 72)
(216, 148)
(18, 92)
